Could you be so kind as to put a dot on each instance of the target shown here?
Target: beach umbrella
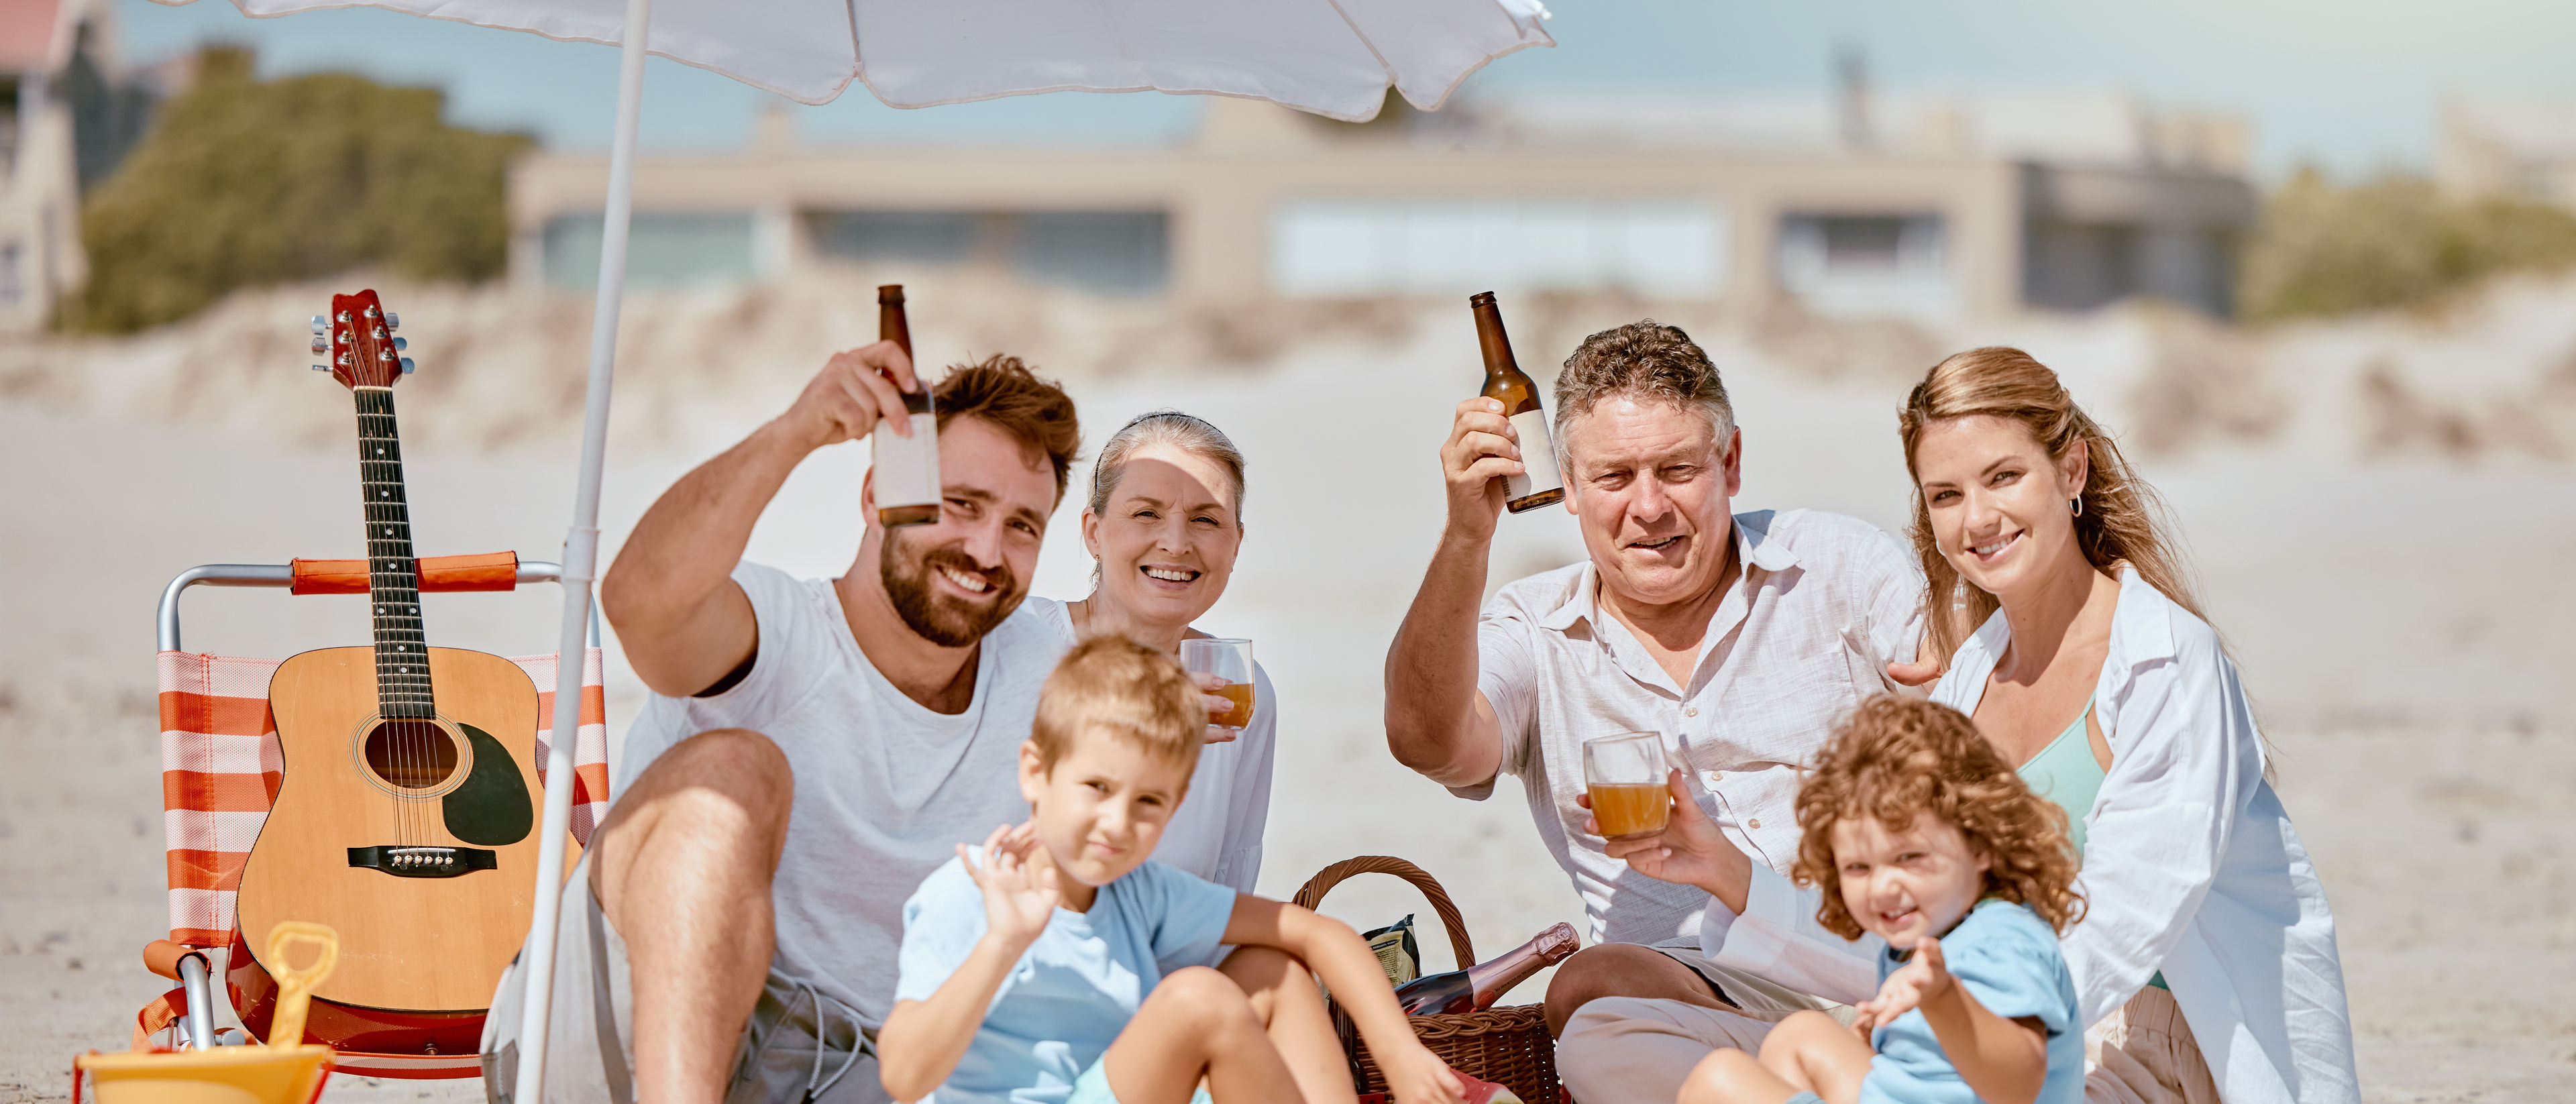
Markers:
(1335, 58)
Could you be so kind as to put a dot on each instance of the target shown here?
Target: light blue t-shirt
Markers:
(2007, 957)
(1073, 990)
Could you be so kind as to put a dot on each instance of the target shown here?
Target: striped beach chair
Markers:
(221, 769)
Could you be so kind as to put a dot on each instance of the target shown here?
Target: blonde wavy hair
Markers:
(1897, 758)
(2123, 522)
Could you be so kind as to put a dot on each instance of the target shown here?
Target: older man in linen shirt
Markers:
(1741, 639)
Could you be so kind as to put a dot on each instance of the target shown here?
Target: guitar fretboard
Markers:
(393, 586)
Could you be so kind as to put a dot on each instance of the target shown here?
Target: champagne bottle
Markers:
(1479, 986)
(1538, 484)
(906, 468)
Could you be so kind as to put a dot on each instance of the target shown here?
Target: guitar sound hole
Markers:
(411, 755)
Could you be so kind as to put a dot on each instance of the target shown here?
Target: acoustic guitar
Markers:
(406, 818)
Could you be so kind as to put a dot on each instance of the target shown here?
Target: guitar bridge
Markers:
(423, 862)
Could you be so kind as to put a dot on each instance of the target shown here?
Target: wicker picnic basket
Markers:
(1508, 1046)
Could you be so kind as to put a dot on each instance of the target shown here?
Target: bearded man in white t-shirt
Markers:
(1738, 639)
(813, 749)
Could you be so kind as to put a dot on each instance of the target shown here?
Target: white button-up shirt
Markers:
(1823, 604)
(2190, 867)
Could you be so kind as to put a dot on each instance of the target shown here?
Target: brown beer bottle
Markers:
(906, 468)
(1539, 484)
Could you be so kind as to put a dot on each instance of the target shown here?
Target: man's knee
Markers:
(727, 789)
(1609, 970)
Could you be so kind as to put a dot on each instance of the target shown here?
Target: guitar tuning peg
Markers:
(401, 343)
(320, 345)
(393, 321)
(321, 367)
(407, 365)
(320, 324)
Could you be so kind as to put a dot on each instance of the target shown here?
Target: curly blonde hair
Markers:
(1899, 757)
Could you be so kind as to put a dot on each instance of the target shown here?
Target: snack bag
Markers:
(1396, 952)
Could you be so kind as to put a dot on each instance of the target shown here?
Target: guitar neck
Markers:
(393, 582)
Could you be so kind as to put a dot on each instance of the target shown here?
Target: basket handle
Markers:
(1325, 879)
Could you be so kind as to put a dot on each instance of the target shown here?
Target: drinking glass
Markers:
(1231, 660)
(1625, 775)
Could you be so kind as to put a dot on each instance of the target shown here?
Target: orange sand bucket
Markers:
(281, 1073)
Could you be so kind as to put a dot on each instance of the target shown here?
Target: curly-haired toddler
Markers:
(1939, 848)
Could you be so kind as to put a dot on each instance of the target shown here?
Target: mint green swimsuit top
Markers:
(2066, 772)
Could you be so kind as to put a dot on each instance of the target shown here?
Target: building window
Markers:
(900, 237)
(1348, 248)
(13, 285)
(663, 250)
(1104, 252)
(1848, 265)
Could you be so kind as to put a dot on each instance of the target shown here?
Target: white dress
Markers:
(1217, 833)
(2191, 867)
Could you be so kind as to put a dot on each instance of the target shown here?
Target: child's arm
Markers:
(2004, 1061)
(1351, 973)
(922, 1041)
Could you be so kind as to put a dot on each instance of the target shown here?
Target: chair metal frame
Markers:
(196, 973)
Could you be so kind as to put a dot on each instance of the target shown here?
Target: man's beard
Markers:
(940, 618)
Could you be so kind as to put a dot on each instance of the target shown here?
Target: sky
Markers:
(2353, 86)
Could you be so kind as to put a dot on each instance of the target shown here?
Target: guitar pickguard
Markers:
(491, 806)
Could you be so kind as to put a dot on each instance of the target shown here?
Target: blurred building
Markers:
(66, 120)
(2523, 147)
(1851, 205)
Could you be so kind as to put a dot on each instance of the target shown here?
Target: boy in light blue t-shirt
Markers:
(1056, 964)
(1939, 848)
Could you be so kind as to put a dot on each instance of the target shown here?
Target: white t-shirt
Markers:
(885, 788)
(1217, 833)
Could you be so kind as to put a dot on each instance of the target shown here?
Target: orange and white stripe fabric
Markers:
(221, 767)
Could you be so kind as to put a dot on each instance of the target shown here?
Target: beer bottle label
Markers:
(1538, 458)
(907, 469)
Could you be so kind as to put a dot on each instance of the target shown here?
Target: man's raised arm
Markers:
(1436, 721)
(684, 622)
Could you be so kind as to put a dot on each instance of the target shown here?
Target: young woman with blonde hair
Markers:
(2206, 962)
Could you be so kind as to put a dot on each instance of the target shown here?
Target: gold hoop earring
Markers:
(2075, 506)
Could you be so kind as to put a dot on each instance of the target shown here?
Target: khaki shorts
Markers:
(799, 1045)
(2144, 1054)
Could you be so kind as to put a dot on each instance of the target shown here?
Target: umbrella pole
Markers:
(581, 563)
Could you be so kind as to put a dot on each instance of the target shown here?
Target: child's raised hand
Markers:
(1019, 898)
(1417, 1076)
(1905, 990)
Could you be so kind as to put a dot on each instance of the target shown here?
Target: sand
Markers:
(2380, 511)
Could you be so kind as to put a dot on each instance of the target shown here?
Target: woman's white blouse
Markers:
(2191, 868)
(1217, 833)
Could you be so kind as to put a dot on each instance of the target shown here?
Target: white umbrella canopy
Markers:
(1332, 57)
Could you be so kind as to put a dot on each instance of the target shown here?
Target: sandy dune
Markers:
(2381, 512)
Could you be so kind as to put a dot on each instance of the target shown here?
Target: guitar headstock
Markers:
(358, 338)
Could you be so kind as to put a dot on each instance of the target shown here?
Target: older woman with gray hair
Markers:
(1163, 524)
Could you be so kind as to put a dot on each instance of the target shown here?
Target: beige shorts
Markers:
(2144, 1054)
(1638, 1050)
(799, 1045)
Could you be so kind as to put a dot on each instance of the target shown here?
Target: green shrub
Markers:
(2328, 249)
(243, 182)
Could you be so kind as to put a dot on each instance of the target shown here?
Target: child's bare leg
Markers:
(1813, 1052)
(1285, 996)
(1730, 1076)
(1196, 1023)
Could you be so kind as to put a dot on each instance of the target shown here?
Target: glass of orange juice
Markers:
(1625, 776)
(1229, 659)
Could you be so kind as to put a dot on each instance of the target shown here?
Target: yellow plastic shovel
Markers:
(284, 1072)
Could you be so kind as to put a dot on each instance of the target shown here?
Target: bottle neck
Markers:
(1513, 967)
